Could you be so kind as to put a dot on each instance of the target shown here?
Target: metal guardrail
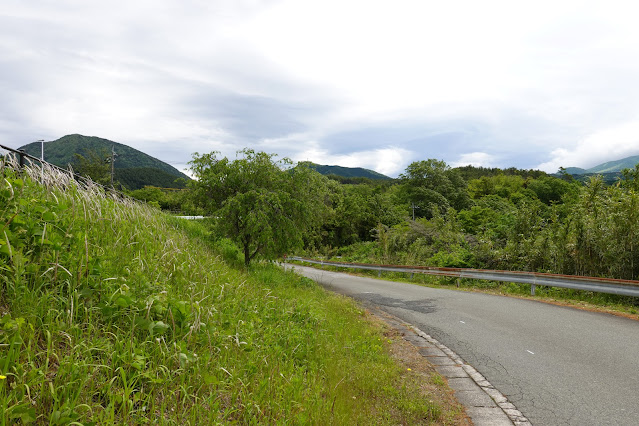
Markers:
(23, 157)
(599, 285)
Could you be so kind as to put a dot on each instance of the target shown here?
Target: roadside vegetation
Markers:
(112, 312)
(435, 215)
(515, 222)
(432, 215)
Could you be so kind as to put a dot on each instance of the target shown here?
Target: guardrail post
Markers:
(532, 289)
(21, 154)
(379, 273)
(411, 275)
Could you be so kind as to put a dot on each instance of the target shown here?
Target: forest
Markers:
(433, 215)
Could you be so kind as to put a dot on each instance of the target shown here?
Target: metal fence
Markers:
(24, 158)
(599, 285)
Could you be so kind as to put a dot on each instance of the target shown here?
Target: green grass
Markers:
(112, 312)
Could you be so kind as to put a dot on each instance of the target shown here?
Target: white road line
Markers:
(530, 352)
(462, 322)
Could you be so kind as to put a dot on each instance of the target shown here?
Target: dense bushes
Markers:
(543, 224)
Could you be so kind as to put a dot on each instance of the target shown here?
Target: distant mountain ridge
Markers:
(607, 167)
(616, 166)
(133, 168)
(347, 172)
(575, 171)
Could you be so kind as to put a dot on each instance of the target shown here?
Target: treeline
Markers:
(511, 221)
(96, 165)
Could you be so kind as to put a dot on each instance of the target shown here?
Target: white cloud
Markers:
(477, 159)
(533, 77)
(609, 144)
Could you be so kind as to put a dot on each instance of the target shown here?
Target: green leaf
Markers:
(48, 216)
(157, 327)
(25, 412)
(123, 301)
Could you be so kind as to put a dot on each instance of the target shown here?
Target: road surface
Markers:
(557, 365)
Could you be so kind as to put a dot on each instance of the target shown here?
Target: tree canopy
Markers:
(263, 204)
(432, 187)
(94, 165)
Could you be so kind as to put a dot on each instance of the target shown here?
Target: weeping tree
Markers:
(265, 205)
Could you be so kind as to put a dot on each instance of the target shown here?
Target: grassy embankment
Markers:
(113, 312)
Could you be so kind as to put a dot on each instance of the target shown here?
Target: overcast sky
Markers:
(375, 84)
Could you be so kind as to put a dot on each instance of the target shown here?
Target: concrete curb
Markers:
(484, 404)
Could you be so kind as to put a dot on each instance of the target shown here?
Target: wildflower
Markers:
(409, 369)
(2, 377)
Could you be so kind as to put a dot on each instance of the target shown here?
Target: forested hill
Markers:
(616, 166)
(347, 172)
(134, 168)
(62, 152)
(610, 170)
(607, 167)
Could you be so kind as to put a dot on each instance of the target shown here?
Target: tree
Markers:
(265, 206)
(357, 210)
(432, 185)
(94, 165)
(630, 178)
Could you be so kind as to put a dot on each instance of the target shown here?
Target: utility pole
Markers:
(41, 148)
(413, 206)
(41, 159)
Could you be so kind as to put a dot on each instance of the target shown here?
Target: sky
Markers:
(356, 83)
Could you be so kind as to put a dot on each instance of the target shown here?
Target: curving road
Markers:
(558, 365)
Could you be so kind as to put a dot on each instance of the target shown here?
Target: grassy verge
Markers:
(114, 313)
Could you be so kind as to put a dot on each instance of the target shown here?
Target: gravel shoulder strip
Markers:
(484, 404)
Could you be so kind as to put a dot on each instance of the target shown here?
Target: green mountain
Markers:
(347, 172)
(615, 166)
(576, 171)
(133, 168)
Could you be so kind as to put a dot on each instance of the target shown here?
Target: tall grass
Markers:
(112, 312)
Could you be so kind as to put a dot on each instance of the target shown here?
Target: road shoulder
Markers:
(484, 404)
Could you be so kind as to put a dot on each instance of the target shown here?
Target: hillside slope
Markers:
(349, 172)
(615, 166)
(112, 312)
(61, 152)
(575, 171)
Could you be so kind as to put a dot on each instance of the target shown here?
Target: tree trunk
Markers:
(247, 256)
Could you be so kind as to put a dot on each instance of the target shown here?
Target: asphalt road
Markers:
(558, 365)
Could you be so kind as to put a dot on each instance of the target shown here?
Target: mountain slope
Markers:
(349, 172)
(615, 166)
(575, 171)
(62, 152)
